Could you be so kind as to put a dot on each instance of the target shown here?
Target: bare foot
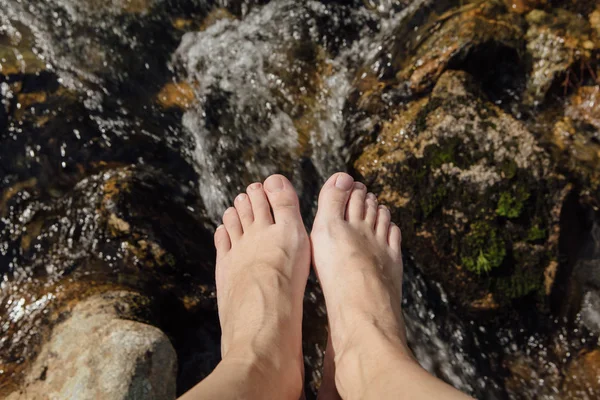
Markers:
(357, 256)
(263, 260)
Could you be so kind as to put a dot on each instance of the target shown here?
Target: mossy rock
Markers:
(472, 191)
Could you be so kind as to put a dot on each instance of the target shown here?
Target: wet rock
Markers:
(109, 233)
(215, 16)
(584, 106)
(575, 136)
(179, 95)
(16, 54)
(448, 40)
(595, 20)
(523, 6)
(97, 352)
(475, 192)
(556, 41)
(582, 377)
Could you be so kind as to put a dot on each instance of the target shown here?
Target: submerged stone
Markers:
(16, 54)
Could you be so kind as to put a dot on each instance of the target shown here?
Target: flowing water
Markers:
(265, 89)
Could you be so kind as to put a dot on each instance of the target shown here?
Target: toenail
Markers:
(220, 227)
(359, 186)
(382, 207)
(344, 182)
(274, 184)
(371, 196)
(241, 197)
(254, 186)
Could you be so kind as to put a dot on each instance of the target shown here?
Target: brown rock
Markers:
(453, 35)
(523, 6)
(582, 377)
(584, 106)
(576, 135)
(176, 95)
(13, 190)
(595, 20)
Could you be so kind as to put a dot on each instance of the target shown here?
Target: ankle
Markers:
(279, 376)
(368, 355)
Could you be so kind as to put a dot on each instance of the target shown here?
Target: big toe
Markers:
(283, 200)
(334, 195)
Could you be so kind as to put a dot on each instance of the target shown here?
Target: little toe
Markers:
(371, 210)
(395, 237)
(283, 200)
(244, 210)
(222, 242)
(334, 195)
(382, 225)
(356, 205)
(232, 223)
(260, 204)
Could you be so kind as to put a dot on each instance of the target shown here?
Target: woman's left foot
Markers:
(263, 261)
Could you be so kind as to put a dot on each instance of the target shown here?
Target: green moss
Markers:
(535, 233)
(510, 205)
(170, 259)
(430, 203)
(436, 156)
(483, 249)
(444, 152)
(509, 168)
(420, 123)
(520, 284)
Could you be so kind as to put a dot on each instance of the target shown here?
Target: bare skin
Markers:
(357, 256)
(263, 260)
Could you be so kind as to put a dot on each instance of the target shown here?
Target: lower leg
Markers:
(247, 376)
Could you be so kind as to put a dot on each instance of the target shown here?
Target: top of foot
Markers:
(357, 257)
(263, 260)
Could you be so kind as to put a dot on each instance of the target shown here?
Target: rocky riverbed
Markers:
(128, 126)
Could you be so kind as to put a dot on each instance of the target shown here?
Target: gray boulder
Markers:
(96, 354)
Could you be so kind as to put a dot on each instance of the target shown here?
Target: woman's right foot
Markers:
(356, 254)
(357, 257)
